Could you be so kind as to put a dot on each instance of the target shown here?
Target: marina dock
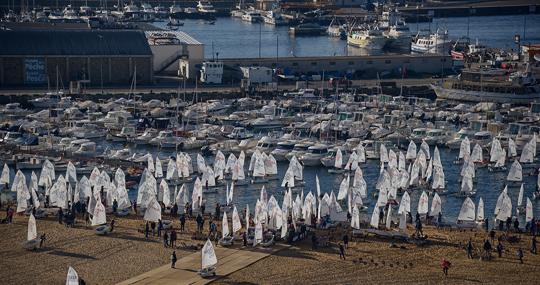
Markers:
(230, 260)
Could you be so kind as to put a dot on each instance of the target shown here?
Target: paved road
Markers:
(169, 89)
(229, 261)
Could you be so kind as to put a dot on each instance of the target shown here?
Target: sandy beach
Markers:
(97, 259)
(126, 253)
(373, 261)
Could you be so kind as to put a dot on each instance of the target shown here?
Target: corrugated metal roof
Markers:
(181, 36)
(73, 42)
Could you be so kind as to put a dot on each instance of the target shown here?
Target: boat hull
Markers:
(480, 96)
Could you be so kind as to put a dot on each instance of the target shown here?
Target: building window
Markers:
(387, 61)
(314, 63)
(369, 62)
(332, 63)
(295, 64)
(351, 62)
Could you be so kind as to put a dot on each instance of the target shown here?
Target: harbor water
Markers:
(488, 185)
(234, 38)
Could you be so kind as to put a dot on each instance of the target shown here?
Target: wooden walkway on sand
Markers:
(229, 261)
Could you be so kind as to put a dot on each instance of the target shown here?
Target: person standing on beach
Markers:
(173, 239)
(135, 206)
(470, 249)
(165, 240)
(487, 249)
(499, 249)
(445, 264)
(114, 206)
(218, 211)
(159, 228)
(146, 230)
(533, 245)
(182, 222)
(173, 259)
(520, 255)
(244, 237)
(346, 240)
(341, 251)
(60, 216)
(199, 223)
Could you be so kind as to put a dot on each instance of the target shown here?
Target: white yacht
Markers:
(314, 155)
(275, 19)
(367, 37)
(145, 138)
(70, 15)
(282, 149)
(298, 150)
(86, 149)
(252, 16)
(436, 137)
(437, 42)
(205, 8)
(266, 144)
(131, 11)
(240, 133)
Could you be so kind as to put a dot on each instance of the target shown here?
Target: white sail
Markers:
(383, 154)
(496, 150)
(236, 224)
(71, 173)
(150, 163)
(402, 162)
(153, 211)
(436, 205)
(196, 195)
(72, 277)
(405, 204)
(58, 193)
(208, 258)
(528, 152)
(466, 184)
(231, 161)
(288, 179)
(505, 210)
(411, 151)
(201, 164)
(520, 196)
(158, 171)
(225, 226)
(338, 162)
(22, 194)
(516, 172)
(361, 153)
(359, 183)
(392, 159)
(512, 149)
(529, 211)
(501, 161)
(344, 188)
(465, 148)
(424, 147)
(476, 154)
(352, 163)
(32, 228)
(355, 220)
(467, 212)
(4, 179)
(172, 170)
(270, 165)
(258, 234)
(258, 168)
(438, 178)
(247, 216)
(389, 218)
(47, 175)
(164, 188)
(375, 218)
(423, 203)
(99, 216)
(480, 212)
(181, 197)
(19, 176)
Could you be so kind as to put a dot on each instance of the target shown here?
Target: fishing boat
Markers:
(366, 37)
(206, 10)
(252, 16)
(437, 42)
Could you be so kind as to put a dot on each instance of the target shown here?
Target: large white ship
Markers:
(492, 85)
(437, 42)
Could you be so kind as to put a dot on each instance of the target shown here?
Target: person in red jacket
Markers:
(445, 264)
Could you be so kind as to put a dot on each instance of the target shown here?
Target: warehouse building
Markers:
(45, 57)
